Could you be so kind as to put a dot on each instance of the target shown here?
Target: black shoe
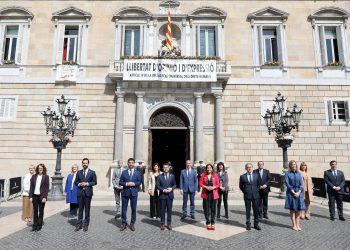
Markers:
(332, 218)
(38, 229)
(260, 216)
(192, 217)
(226, 216)
(218, 216)
(117, 216)
(123, 227)
(266, 217)
(248, 227)
(77, 228)
(183, 216)
(33, 229)
(257, 227)
(132, 228)
(85, 228)
(342, 218)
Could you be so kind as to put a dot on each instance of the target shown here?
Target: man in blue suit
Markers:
(249, 184)
(166, 184)
(335, 181)
(264, 189)
(188, 187)
(85, 180)
(130, 180)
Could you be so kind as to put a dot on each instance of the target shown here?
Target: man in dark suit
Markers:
(131, 181)
(335, 181)
(166, 184)
(85, 180)
(249, 184)
(264, 189)
(188, 187)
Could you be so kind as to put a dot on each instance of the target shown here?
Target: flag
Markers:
(168, 34)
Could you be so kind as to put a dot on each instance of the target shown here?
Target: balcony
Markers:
(221, 73)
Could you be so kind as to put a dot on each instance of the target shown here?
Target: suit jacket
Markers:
(152, 183)
(116, 176)
(331, 181)
(216, 185)
(125, 178)
(188, 183)
(44, 186)
(249, 189)
(308, 186)
(265, 180)
(164, 184)
(90, 178)
(224, 180)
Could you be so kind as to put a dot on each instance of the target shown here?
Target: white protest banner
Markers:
(170, 70)
(67, 73)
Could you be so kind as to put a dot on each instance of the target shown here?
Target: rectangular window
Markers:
(132, 41)
(330, 34)
(7, 108)
(70, 43)
(11, 37)
(339, 110)
(207, 44)
(270, 44)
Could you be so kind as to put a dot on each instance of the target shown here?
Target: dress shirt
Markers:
(37, 185)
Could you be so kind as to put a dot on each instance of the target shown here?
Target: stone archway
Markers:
(169, 138)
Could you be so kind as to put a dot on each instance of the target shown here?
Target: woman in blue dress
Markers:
(294, 194)
(71, 191)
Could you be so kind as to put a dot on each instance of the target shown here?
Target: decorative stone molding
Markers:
(207, 12)
(71, 14)
(132, 12)
(329, 14)
(268, 13)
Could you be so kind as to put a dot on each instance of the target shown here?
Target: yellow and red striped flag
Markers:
(169, 38)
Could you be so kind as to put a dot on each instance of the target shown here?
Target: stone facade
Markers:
(302, 78)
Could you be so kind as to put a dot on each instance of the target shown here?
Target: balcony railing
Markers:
(116, 68)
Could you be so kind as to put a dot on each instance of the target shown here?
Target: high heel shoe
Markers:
(295, 228)
(208, 227)
(212, 227)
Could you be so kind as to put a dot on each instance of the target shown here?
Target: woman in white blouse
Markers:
(27, 208)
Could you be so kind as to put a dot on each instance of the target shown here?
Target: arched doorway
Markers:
(170, 138)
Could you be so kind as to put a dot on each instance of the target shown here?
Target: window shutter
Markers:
(19, 44)
(261, 44)
(198, 40)
(127, 42)
(347, 112)
(341, 51)
(80, 43)
(2, 38)
(137, 41)
(322, 45)
(279, 31)
(217, 41)
(330, 111)
(60, 37)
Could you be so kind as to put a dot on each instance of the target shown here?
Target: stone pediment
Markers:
(268, 13)
(169, 3)
(208, 12)
(330, 13)
(132, 12)
(15, 12)
(71, 13)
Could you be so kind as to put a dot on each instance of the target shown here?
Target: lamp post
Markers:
(282, 121)
(60, 125)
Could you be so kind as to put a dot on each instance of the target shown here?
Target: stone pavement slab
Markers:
(58, 233)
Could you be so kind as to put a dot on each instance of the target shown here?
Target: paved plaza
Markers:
(58, 232)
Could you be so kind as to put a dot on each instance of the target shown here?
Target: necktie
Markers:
(166, 176)
(84, 173)
(188, 172)
(130, 173)
(261, 173)
(249, 178)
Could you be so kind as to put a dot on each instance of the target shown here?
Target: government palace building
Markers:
(204, 99)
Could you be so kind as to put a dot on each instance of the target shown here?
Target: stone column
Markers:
(138, 141)
(119, 127)
(219, 129)
(198, 128)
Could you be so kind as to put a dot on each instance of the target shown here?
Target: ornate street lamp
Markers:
(282, 122)
(60, 125)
